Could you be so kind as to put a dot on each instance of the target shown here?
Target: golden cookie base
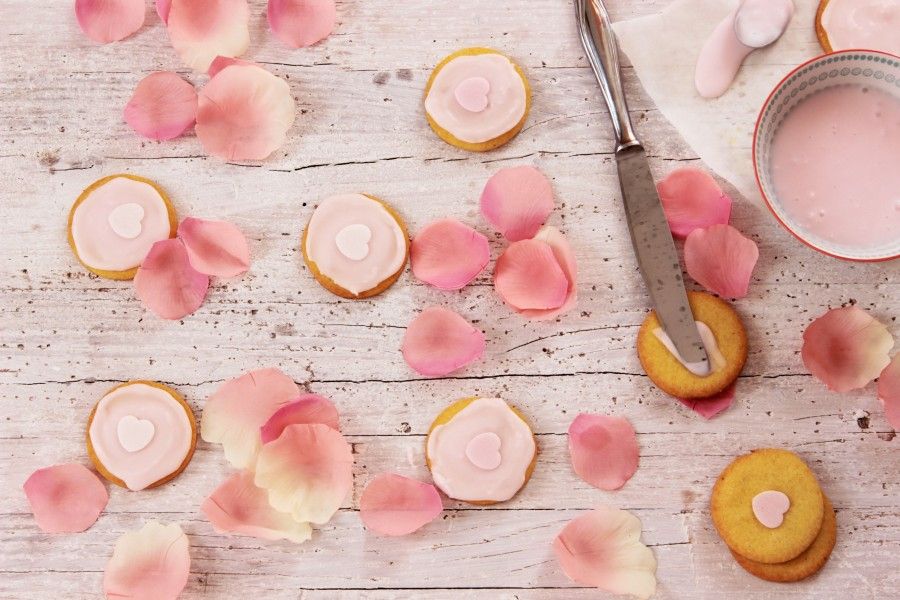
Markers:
(821, 34)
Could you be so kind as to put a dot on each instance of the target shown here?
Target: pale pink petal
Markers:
(602, 548)
(308, 408)
(215, 247)
(846, 348)
(721, 259)
(517, 201)
(439, 341)
(889, 392)
(529, 277)
(604, 450)
(554, 238)
(300, 23)
(234, 413)
(220, 62)
(162, 9)
(396, 505)
(693, 200)
(448, 254)
(162, 107)
(244, 113)
(107, 21)
(713, 405)
(167, 284)
(152, 563)
(200, 30)
(307, 472)
(238, 506)
(65, 498)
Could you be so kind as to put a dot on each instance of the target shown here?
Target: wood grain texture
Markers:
(67, 335)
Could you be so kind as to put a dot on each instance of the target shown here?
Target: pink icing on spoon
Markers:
(769, 508)
(483, 451)
(472, 93)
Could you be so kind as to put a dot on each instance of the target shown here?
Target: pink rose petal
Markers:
(220, 62)
(162, 9)
(396, 505)
(602, 548)
(235, 412)
(721, 259)
(693, 200)
(439, 341)
(517, 201)
(162, 107)
(308, 408)
(244, 113)
(566, 259)
(215, 247)
(604, 450)
(200, 30)
(167, 284)
(307, 472)
(238, 506)
(528, 276)
(106, 21)
(65, 498)
(448, 254)
(710, 407)
(846, 348)
(889, 392)
(301, 23)
(152, 563)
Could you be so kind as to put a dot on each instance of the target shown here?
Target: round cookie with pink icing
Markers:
(355, 245)
(141, 434)
(116, 220)
(477, 99)
(480, 451)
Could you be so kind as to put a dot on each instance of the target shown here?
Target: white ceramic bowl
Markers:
(874, 69)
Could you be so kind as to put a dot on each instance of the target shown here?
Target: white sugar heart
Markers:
(769, 508)
(483, 451)
(353, 241)
(134, 434)
(125, 220)
(472, 93)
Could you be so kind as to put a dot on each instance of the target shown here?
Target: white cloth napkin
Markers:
(663, 49)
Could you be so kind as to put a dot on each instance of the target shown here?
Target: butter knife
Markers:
(650, 234)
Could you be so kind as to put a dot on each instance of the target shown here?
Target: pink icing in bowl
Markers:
(789, 156)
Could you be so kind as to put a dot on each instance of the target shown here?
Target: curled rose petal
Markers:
(561, 249)
(65, 498)
(529, 277)
(167, 284)
(889, 392)
(307, 472)
(693, 200)
(846, 348)
(220, 62)
(162, 107)
(238, 506)
(152, 563)
(721, 259)
(162, 9)
(604, 450)
(200, 30)
(215, 247)
(244, 113)
(448, 254)
(107, 21)
(603, 548)
(235, 412)
(517, 201)
(301, 23)
(396, 505)
(439, 341)
(710, 407)
(308, 408)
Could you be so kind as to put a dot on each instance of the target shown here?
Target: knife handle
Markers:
(599, 43)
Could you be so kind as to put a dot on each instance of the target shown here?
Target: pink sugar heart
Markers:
(483, 451)
(769, 508)
(472, 93)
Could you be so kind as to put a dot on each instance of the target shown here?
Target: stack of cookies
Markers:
(770, 510)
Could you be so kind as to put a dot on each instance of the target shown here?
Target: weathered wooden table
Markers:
(67, 336)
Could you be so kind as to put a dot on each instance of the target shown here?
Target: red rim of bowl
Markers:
(756, 166)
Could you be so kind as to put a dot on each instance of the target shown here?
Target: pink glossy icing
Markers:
(869, 24)
(141, 434)
(355, 241)
(769, 508)
(459, 102)
(482, 453)
(113, 207)
(708, 339)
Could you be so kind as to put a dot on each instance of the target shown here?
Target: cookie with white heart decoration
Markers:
(141, 434)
